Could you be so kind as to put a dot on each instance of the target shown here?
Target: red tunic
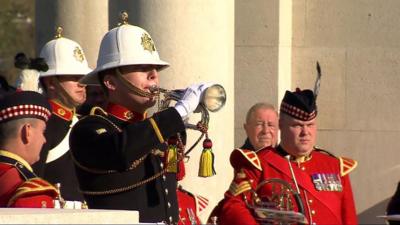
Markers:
(190, 207)
(327, 205)
(22, 191)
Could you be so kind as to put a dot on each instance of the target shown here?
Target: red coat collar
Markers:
(124, 114)
(61, 110)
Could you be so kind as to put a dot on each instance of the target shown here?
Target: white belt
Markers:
(63, 147)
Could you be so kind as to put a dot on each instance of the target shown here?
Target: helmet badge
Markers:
(78, 54)
(148, 43)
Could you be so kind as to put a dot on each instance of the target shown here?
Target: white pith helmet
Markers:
(123, 46)
(64, 57)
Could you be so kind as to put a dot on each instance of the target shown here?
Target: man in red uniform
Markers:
(261, 126)
(320, 179)
(23, 117)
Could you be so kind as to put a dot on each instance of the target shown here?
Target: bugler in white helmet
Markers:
(64, 57)
(123, 46)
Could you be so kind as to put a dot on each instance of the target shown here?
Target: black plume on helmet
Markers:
(23, 62)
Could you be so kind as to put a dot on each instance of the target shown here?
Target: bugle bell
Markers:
(213, 98)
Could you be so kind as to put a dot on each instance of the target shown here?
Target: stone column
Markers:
(285, 48)
(196, 38)
(83, 21)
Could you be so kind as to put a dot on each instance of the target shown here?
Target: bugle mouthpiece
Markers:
(156, 89)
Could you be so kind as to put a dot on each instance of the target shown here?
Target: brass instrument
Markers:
(61, 203)
(278, 207)
(212, 100)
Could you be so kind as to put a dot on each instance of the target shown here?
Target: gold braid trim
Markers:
(236, 189)
(135, 163)
(157, 130)
(123, 189)
(130, 187)
(91, 170)
(31, 186)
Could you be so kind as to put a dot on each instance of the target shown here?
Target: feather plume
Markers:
(317, 82)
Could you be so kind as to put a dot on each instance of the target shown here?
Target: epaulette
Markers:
(61, 111)
(250, 156)
(98, 111)
(34, 186)
(347, 165)
(201, 202)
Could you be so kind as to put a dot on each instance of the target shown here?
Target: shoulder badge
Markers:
(250, 156)
(347, 165)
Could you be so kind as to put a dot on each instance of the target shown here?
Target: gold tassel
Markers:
(206, 168)
(172, 159)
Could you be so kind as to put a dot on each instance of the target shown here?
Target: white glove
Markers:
(190, 99)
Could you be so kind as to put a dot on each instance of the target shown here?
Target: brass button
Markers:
(313, 212)
(310, 201)
(303, 168)
(164, 177)
(169, 205)
(166, 191)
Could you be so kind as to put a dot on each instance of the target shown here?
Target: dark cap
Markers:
(24, 104)
(299, 104)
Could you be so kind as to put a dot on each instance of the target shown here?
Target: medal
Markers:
(327, 182)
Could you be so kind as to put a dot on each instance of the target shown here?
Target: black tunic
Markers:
(105, 149)
(61, 170)
(247, 145)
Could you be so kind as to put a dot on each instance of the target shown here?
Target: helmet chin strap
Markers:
(63, 95)
(135, 90)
